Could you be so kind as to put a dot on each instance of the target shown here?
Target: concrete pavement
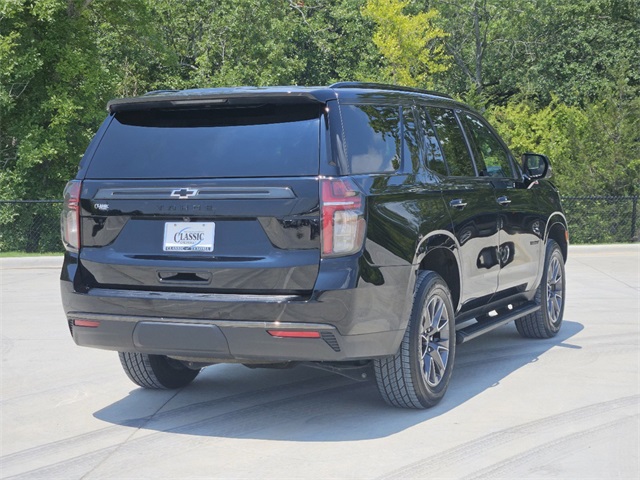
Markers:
(567, 407)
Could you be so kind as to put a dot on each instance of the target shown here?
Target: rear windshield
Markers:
(253, 141)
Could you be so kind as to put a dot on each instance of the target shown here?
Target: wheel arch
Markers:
(439, 253)
(558, 231)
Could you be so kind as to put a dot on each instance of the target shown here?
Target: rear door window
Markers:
(253, 141)
(434, 159)
(452, 141)
(411, 139)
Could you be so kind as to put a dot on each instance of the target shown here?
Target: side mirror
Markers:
(536, 166)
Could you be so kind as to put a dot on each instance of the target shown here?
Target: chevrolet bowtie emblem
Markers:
(184, 193)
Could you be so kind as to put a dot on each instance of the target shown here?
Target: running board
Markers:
(477, 329)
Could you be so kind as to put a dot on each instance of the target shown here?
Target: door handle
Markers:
(504, 201)
(457, 203)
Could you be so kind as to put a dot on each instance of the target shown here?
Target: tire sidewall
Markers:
(553, 251)
(433, 285)
(171, 373)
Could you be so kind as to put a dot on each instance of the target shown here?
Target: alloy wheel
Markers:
(555, 284)
(434, 341)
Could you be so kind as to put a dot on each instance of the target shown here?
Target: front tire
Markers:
(156, 371)
(418, 375)
(546, 322)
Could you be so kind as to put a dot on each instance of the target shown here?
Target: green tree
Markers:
(61, 61)
(572, 64)
(580, 47)
(339, 43)
(242, 42)
(411, 45)
(594, 150)
(539, 48)
(249, 42)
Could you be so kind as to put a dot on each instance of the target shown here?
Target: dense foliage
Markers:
(558, 77)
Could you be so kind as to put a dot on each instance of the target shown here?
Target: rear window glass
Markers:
(373, 141)
(454, 146)
(253, 141)
(433, 154)
(411, 139)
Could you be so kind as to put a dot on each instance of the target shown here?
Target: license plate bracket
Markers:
(189, 236)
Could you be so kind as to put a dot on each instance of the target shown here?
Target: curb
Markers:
(612, 247)
(48, 261)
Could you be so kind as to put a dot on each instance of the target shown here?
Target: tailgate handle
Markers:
(184, 277)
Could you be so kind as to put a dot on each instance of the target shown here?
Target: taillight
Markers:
(343, 223)
(70, 217)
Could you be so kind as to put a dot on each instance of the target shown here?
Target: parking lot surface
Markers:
(566, 407)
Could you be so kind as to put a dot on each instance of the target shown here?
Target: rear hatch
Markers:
(207, 198)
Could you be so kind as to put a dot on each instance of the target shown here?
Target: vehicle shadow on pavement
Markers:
(304, 404)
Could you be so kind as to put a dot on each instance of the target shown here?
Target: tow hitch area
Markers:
(359, 371)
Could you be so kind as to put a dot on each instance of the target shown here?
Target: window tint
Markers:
(372, 137)
(252, 141)
(491, 157)
(411, 142)
(434, 158)
(454, 146)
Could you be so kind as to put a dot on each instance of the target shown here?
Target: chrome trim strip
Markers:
(201, 193)
(202, 297)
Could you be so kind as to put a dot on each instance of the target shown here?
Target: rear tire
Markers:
(418, 375)
(156, 371)
(546, 322)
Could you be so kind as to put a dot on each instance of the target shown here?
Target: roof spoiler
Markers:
(216, 97)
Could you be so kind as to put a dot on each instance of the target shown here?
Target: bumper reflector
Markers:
(86, 323)
(293, 334)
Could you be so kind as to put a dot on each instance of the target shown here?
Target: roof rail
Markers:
(382, 86)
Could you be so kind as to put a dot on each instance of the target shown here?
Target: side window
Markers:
(454, 146)
(491, 157)
(411, 138)
(434, 159)
(372, 138)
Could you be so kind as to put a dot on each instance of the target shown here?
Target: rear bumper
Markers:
(361, 320)
(222, 341)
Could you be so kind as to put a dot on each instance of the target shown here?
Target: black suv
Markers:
(351, 227)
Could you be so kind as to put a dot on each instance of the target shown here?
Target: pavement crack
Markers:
(142, 425)
(438, 464)
(635, 289)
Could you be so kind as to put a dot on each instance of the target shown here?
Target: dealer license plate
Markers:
(189, 236)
